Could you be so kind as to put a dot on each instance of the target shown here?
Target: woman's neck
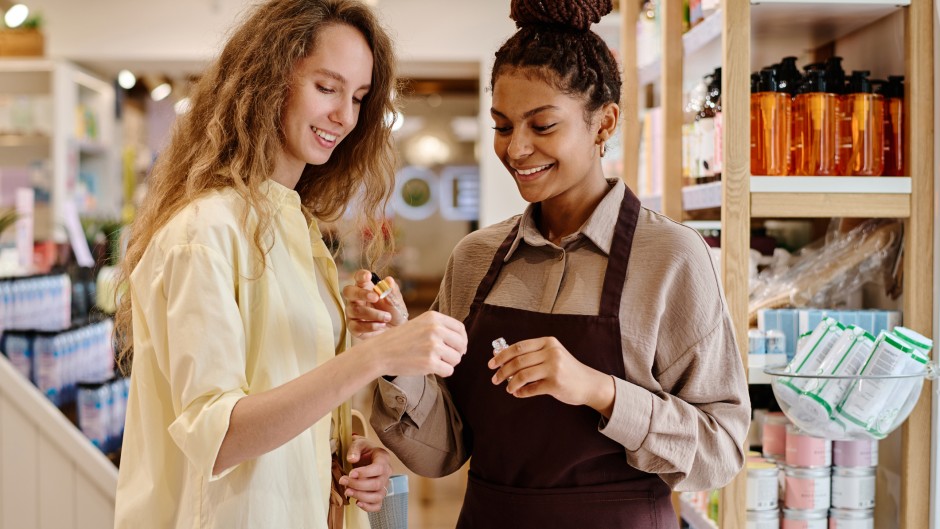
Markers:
(565, 214)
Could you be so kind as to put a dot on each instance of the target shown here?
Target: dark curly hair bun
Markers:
(577, 14)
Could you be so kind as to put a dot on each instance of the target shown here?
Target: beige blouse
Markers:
(683, 411)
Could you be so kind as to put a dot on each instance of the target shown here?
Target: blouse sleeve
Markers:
(206, 349)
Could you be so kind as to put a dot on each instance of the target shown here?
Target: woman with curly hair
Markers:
(621, 379)
(232, 319)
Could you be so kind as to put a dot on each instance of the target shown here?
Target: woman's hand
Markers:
(368, 481)
(366, 314)
(542, 366)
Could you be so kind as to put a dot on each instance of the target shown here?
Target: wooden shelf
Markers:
(814, 196)
(900, 185)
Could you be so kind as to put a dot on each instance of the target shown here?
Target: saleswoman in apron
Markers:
(622, 379)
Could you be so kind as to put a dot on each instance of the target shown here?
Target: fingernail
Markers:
(495, 381)
(353, 475)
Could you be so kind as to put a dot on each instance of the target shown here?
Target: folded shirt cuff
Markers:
(629, 423)
(404, 395)
(200, 429)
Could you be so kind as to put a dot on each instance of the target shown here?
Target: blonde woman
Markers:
(233, 318)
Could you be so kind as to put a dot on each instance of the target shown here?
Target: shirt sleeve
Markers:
(421, 426)
(416, 418)
(692, 436)
(206, 351)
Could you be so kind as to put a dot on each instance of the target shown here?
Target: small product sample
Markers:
(381, 287)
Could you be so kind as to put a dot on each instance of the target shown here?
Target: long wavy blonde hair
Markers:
(232, 136)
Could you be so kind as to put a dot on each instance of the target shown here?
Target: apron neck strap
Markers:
(619, 257)
(496, 265)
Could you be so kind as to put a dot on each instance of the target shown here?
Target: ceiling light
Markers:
(127, 79)
(182, 106)
(161, 92)
(395, 121)
(16, 15)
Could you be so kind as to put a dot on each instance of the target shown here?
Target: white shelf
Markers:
(695, 518)
(892, 185)
(705, 196)
(703, 225)
(650, 73)
(703, 34)
(806, 24)
(756, 375)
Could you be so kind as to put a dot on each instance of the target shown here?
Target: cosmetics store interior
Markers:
(795, 136)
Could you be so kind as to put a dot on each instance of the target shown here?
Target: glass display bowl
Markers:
(846, 407)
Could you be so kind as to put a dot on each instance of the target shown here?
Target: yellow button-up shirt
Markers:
(210, 327)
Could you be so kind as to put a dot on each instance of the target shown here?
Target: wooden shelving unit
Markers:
(780, 27)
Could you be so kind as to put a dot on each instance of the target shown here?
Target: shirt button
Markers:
(400, 399)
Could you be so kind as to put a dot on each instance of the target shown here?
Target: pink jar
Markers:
(806, 451)
(807, 489)
(774, 435)
(853, 454)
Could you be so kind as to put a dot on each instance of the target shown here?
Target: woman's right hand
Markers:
(366, 314)
(432, 343)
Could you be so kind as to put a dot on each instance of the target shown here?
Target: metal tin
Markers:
(794, 519)
(807, 488)
(762, 486)
(853, 488)
(852, 454)
(807, 451)
(774, 435)
(763, 519)
(851, 519)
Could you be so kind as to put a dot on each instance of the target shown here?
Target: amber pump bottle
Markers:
(819, 127)
(866, 110)
(771, 106)
(894, 137)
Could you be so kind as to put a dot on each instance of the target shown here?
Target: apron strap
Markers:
(619, 257)
(489, 279)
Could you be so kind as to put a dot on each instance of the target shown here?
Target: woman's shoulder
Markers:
(213, 219)
(659, 235)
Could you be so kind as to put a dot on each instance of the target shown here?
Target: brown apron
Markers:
(538, 462)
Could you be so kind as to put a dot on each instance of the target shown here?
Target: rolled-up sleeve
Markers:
(206, 350)
(692, 432)
(415, 417)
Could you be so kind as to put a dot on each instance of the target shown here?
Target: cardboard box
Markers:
(21, 43)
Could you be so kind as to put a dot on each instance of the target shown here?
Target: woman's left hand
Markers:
(368, 480)
(542, 366)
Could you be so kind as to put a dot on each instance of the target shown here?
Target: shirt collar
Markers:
(599, 227)
(279, 194)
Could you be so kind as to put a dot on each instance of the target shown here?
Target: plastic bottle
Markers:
(706, 124)
(866, 111)
(819, 127)
(894, 140)
(772, 126)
